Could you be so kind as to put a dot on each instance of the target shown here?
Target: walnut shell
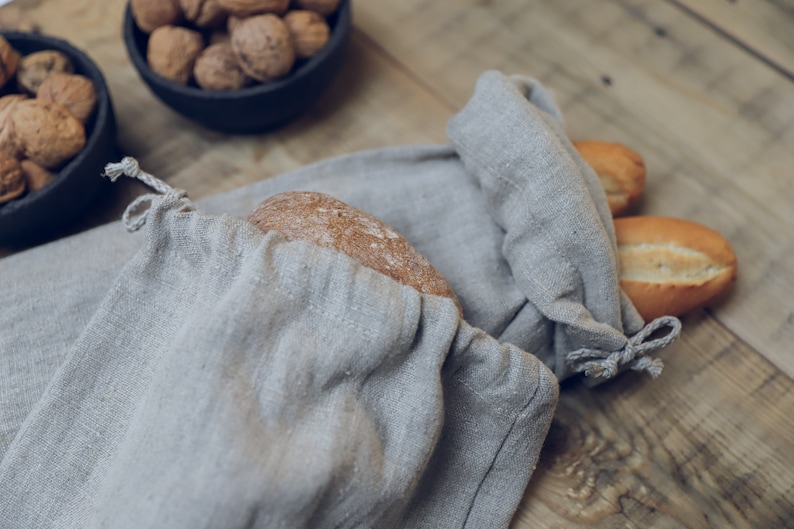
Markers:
(324, 7)
(309, 32)
(263, 47)
(247, 8)
(217, 69)
(35, 175)
(9, 59)
(76, 92)
(203, 13)
(34, 68)
(46, 132)
(232, 22)
(172, 52)
(12, 182)
(151, 14)
(8, 140)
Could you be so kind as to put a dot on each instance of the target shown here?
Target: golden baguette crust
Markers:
(331, 223)
(620, 169)
(671, 266)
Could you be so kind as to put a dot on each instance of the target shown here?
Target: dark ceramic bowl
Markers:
(37, 215)
(256, 108)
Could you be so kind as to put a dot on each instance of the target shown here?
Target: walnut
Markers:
(12, 182)
(151, 14)
(35, 175)
(324, 7)
(172, 52)
(309, 32)
(217, 69)
(76, 92)
(232, 23)
(263, 47)
(203, 13)
(34, 68)
(46, 132)
(9, 58)
(8, 140)
(246, 8)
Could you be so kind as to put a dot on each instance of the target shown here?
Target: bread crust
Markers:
(331, 223)
(671, 266)
(621, 171)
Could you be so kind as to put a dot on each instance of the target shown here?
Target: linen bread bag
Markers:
(201, 373)
(513, 217)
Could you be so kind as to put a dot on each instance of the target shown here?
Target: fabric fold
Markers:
(559, 239)
(199, 373)
(230, 378)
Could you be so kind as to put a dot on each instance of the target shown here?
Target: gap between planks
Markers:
(734, 39)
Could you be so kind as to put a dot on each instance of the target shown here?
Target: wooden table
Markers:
(703, 89)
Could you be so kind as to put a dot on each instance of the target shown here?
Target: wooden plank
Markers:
(762, 28)
(708, 444)
(715, 125)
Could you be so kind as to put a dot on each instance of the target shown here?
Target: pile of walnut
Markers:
(42, 123)
(230, 44)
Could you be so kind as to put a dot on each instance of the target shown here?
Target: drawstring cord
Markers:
(595, 363)
(598, 363)
(129, 167)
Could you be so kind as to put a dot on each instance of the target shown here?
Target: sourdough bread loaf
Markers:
(331, 223)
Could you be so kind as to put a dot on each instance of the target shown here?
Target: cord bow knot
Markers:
(598, 363)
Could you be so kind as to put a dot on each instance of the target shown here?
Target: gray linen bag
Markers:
(202, 374)
(231, 379)
(515, 220)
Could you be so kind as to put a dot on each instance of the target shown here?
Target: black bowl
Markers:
(256, 108)
(38, 215)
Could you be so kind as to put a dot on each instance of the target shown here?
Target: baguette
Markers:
(620, 170)
(672, 266)
(331, 223)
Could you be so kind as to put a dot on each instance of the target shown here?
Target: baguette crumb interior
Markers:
(666, 263)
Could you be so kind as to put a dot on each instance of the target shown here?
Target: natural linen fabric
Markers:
(232, 379)
(507, 211)
(513, 217)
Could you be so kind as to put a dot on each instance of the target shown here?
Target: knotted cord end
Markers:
(597, 363)
(129, 167)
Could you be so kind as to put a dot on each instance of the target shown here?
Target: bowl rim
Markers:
(103, 114)
(339, 31)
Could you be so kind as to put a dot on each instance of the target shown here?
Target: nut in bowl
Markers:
(237, 66)
(57, 132)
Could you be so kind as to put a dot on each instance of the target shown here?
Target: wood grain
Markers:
(762, 28)
(715, 125)
(691, 449)
(701, 89)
